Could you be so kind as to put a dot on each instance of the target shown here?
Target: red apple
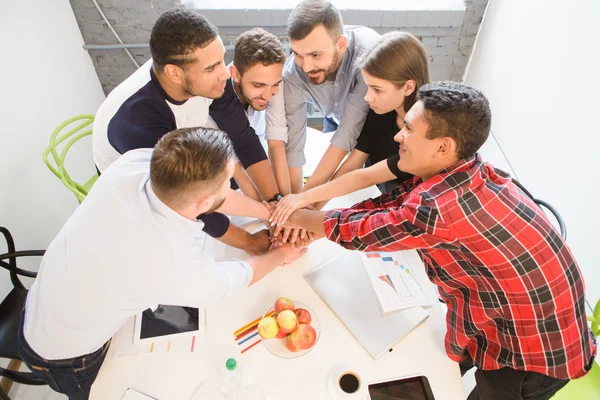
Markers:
(281, 334)
(291, 346)
(287, 321)
(304, 337)
(283, 303)
(303, 316)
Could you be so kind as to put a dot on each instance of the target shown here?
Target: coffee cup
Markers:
(345, 382)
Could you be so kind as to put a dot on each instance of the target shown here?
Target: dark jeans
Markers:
(385, 187)
(388, 187)
(511, 384)
(73, 377)
(329, 125)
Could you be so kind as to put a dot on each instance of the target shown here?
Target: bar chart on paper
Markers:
(393, 281)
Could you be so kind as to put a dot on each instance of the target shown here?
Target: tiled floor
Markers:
(25, 392)
(22, 392)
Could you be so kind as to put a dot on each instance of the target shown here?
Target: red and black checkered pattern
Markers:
(514, 292)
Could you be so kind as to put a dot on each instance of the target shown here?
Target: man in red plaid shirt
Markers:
(514, 292)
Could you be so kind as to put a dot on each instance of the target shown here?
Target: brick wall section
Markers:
(131, 19)
(449, 47)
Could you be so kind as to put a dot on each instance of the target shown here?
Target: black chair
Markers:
(10, 312)
(543, 204)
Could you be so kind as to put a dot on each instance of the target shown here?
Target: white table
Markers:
(176, 376)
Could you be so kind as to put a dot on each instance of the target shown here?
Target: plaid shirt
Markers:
(514, 292)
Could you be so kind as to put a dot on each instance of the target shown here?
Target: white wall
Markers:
(538, 62)
(46, 78)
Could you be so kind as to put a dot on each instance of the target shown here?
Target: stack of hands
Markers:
(283, 231)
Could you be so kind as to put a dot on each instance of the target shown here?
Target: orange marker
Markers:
(256, 321)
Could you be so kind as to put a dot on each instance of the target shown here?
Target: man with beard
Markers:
(256, 75)
(134, 242)
(184, 82)
(324, 71)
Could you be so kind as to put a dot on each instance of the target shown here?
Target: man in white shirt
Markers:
(134, 242)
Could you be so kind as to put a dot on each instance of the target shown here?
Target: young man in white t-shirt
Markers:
(134, 242)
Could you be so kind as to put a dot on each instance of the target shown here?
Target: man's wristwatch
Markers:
(277, 197)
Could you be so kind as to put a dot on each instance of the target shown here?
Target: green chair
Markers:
(57, 166)
(588, 387)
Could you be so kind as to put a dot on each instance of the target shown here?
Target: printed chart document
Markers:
(394, 284)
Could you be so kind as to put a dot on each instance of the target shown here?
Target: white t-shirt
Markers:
(122, 251)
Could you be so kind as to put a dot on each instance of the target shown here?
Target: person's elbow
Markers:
(275, 147)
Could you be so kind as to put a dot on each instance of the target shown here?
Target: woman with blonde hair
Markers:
(393, 70)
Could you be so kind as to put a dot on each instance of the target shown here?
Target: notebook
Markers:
(344, 285)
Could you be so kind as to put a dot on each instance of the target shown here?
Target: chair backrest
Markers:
(11, 255)
(57, 166)
(595, 320)
(546, 205)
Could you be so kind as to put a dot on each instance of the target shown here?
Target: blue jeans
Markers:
(73, 377)
(329, 125)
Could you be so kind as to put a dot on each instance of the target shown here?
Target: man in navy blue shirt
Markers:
(185, 81)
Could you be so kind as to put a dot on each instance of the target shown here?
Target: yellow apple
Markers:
(268, 328)
(287, 321)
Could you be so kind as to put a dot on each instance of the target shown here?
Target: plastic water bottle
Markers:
(232, 378)
(235, 386)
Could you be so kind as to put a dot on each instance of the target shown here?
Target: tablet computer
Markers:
(168, 322)
(410, 388)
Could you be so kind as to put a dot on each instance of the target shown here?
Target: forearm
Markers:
(236, 204)
(280, 166)
(347, 183)
(245, 183)
(355, 161)
(327, 166)
(262, 265)
(296, 179)
(312, 221)
(261, 174)
(236, 237)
